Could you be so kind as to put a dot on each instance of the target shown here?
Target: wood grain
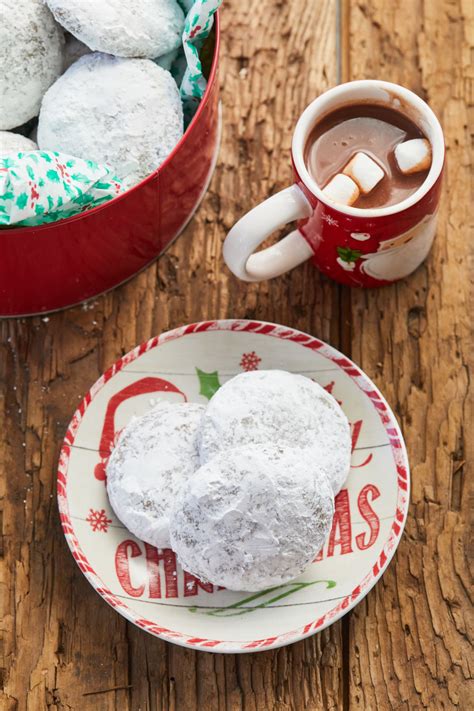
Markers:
(60, 640)
(410, 639)
(406, 646)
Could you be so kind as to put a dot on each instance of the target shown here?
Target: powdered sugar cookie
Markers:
(155, 455)
(126, 113)
(15, 143)
(142, 28)
(31, 58)
(275, 406)
(252, 517)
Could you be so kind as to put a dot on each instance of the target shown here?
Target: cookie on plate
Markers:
(252, 517)
(264, 406)
(155, 456)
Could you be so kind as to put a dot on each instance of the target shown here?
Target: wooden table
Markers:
(406, 646)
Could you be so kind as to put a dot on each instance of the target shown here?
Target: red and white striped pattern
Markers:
(275, 331)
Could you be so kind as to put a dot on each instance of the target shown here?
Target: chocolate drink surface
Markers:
(374, 130)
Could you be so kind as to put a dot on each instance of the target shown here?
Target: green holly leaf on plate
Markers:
(209, 383)
(348, 255)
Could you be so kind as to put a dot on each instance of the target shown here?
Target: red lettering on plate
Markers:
(153, 557)
(127, 549)
(319, 556)
(355, 430)
(191, 585)
(341, 525)
(369, 515)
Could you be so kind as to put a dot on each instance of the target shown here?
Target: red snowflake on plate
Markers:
(250, 361)
(98, 520)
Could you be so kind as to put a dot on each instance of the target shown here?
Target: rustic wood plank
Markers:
(409, 640)
(63, 647)
(406, 645)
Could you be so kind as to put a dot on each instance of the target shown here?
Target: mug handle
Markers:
(253, 228)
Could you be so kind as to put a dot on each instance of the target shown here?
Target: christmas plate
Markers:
(145, 584)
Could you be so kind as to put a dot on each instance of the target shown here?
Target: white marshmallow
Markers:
(413, 156)
(341, 189)
(364, 171)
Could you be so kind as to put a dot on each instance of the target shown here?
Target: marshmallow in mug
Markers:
(364, 171)
(413, 156)
(342, 189)
(360, 175)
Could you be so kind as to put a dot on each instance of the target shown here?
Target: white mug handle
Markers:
(253, 228)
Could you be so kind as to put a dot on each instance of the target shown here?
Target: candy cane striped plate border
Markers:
(366, 386)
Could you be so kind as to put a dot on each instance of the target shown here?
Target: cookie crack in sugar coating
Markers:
(126, 113)
(276, 406)
(154, 457)
(31, 58)
(252, 517)
(124, 28)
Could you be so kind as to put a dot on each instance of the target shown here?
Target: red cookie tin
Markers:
(63, 263)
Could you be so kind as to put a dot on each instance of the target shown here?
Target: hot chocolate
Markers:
(342, 143)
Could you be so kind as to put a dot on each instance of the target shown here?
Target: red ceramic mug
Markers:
(354, 246)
